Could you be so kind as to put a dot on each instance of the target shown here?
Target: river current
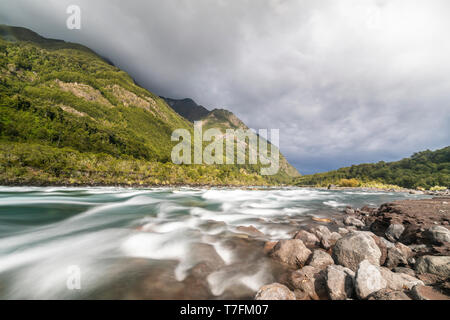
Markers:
(158, 243)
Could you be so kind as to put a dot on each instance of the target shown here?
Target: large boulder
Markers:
(309, 239)
(340, 282)
(352, 249)
(292, 252)
(274, 291)
(368, 279)
(308, 283)
(439, 265)
(329, 240)
(320, 259)
(438, 234)
(394, 232)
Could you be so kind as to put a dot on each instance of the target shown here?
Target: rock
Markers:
(349, 210)
(421, 292)
(387, 243)
(394, 232)
(310, 240)
(398, 256)
(251, 230)
(321, 231)
(407, 271)
(268, 246)
(387, 294)
(398, 281)
(343, 231)
(274, 291)
(292, 252)
(352, 221)
(439, 265)
(320, 259)
(329, 240)
(308, 283)
(352, 249)
(438, 234)
(368, 279)
(381, 246)
(340, 282)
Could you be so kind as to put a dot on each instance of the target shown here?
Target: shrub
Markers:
(349, 183)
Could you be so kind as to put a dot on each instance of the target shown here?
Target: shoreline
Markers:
(207, 186)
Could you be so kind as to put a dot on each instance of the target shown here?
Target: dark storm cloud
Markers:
(345, 81)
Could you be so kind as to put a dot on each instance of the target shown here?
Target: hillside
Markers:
(222, 119)
(425, 169)
(67, 116)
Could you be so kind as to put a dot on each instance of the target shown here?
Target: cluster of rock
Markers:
(362, 260)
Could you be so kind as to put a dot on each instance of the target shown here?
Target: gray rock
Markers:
(394, 231)
(308, 283)
(349, 211)
(439, 265)
(292, 252)
(352, 249)
(320, 259)
(368, 279)
(340, 282)
(438, 234)
(387, 243)
(321, 231)
(309, 239)
(352, 221)
(274, 291)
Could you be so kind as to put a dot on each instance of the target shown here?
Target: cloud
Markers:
(344, 81)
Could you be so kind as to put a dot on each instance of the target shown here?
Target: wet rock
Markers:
(309, 239)
(404, 270)
(437, 235)
(352, 249)
(340, 282)
(274, 291)
(398, 281)
(439, 265)
(308, 283)
(251, 230)
(320, 259)
(421, 292)
(352, 221)
(394, 232)
(387, 294)
(368, 279)
(349, 210)
(292, 252)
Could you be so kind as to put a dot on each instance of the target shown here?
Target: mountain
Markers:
(426, 169)
(221, 119)
(187, 108)
(68, 116)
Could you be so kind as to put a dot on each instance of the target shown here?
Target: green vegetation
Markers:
(69, 117)
(427, 169)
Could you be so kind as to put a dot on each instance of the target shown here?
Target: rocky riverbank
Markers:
(399, 251)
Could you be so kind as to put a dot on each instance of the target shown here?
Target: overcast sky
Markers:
(345, 81)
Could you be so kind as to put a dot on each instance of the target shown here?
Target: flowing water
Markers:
(159, 243)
